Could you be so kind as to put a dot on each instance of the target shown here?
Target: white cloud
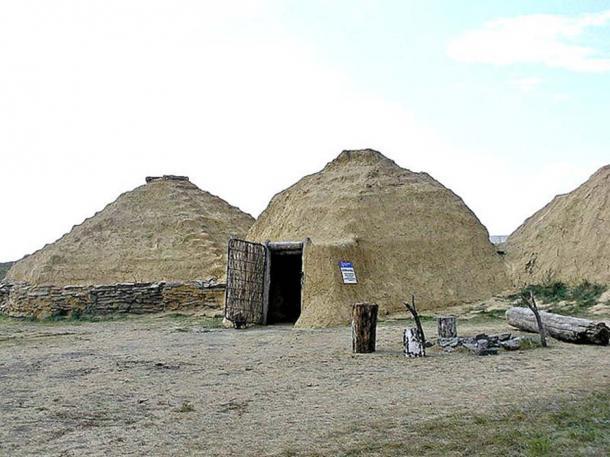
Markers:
(526, 85)
(545, 39)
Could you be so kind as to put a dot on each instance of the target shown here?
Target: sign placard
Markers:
(347, 272)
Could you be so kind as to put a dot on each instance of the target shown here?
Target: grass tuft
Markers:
(186, 407)
(578, 298)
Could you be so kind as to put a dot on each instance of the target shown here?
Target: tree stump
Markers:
(364, 326)
(414, 346)
(447, 327)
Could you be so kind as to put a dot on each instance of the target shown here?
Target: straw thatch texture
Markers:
(404, 232)
(567, 240)
(165, 230)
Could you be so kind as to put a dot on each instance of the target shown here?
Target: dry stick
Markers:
(413, 310)
(531, 304)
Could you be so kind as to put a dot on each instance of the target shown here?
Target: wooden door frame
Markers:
(287, 247)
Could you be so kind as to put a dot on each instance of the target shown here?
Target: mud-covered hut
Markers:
(362, 230)
(568, 240)
(165, 230)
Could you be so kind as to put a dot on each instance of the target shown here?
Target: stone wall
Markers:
(42, 301)
(5, 290)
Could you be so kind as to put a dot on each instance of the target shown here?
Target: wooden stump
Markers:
(447, 327)
(364, 326)
(412, 340)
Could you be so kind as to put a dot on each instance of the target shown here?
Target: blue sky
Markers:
(399, 49)
(505, 102)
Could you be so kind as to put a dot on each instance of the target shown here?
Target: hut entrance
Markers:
(263, 282)
(285, 274)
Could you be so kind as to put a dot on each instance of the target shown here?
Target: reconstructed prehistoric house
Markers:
(361, 230)
(166, 231)
(567, 240)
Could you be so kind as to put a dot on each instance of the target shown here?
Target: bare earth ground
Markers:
(166, 386)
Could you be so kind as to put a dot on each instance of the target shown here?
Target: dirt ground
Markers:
(167, 386)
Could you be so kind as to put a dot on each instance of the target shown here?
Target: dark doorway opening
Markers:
(285, 285)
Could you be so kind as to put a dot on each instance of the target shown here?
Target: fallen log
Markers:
(565, 328)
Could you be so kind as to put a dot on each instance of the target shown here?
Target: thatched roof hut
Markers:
(167, 229)
(398, 231)
(568, 240)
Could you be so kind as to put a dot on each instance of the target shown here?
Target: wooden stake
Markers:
(413, 310)
(364, 325)
(531, 304)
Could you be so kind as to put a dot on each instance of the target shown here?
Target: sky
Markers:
(505, 103)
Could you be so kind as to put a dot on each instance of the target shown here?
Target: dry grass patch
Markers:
(566, 428)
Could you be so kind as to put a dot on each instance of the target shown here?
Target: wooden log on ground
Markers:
(564, 328)
(447, 327)
(364, 326)
(414, 345)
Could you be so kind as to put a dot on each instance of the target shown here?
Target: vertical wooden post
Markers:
(266, 283)
(447, 327)
(413, 310)
(531, 303)
(364, 325)
(414, 345)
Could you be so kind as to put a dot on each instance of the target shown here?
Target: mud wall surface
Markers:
(46, 301)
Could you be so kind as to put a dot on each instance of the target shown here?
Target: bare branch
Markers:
(413, 310)
(531, 304)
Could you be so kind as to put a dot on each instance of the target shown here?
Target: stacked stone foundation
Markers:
(47, 301)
